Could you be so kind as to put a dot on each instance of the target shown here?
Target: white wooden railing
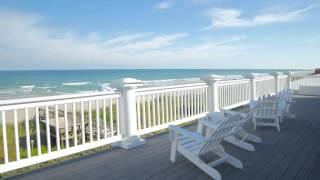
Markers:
(40, 129)
(265, 85)
(283, 82)
(159, 107)
(300, 80)
(233, 93)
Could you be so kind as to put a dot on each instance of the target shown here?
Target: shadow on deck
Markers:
(294, 153)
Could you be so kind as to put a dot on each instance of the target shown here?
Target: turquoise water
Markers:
(20, 84)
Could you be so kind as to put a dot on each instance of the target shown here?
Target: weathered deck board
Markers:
(294, 153)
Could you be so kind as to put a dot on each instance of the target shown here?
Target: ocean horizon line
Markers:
(80, 69)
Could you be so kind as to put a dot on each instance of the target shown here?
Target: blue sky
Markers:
(82, 34)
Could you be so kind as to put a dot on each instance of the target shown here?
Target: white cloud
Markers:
(227, 18)
(164, 5)
(26, 43)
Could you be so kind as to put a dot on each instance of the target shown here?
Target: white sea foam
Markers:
(75, 83)
(27, 86)
(7, 92)
(45, 87)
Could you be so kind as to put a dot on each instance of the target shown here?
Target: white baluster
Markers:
(66, 128)
(138, 113)
(111, 116)
(57, 127)
(104, 119)
(153, 111)
(74, 124)
(144, 112)
(26, 110)
(149, 110)
(98, 119)
(83, 133)
(38, 131)
(4, 136)
(48, 130)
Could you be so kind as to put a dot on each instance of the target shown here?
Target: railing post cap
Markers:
(212, 78)
(127, 83)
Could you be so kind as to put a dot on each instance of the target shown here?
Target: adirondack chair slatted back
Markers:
(269, 107)
(224, 129)
(275, 102)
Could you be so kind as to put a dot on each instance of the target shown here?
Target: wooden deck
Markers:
(294, 153)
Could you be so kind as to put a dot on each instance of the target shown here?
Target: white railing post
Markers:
(213, 100)
(276, 81)
(128, 112)
(289, 85)
(252, 86)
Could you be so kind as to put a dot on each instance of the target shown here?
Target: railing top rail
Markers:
(306, 72)
(264, 78)
(56, 98)
(171, 87)
(307, 76)
(233, 81)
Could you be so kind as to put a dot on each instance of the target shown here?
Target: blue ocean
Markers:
(34, 83)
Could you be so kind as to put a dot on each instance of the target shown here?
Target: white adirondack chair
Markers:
(284, 99)
(192, 145)
(266, 114)
(240, 136)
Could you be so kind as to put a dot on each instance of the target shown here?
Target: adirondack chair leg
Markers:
(227, 157)
(254, 123)
(173, 137)
(196, 160)
(254, 138)
(278, 124)
(247, 136)
(240, 143)
(281, 118)
(207, 169)
(234, 162)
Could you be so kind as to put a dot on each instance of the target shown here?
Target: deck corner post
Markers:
(277, 82)
(128, 112)
(289, 85)
(253, 92)
(213, 99)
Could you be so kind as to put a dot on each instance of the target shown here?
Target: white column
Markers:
(289, 73)
(213, 101)
(277, 82)
(252, 86)
(128, 112)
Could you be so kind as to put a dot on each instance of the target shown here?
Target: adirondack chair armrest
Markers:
(227, 111)
(181, 131)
